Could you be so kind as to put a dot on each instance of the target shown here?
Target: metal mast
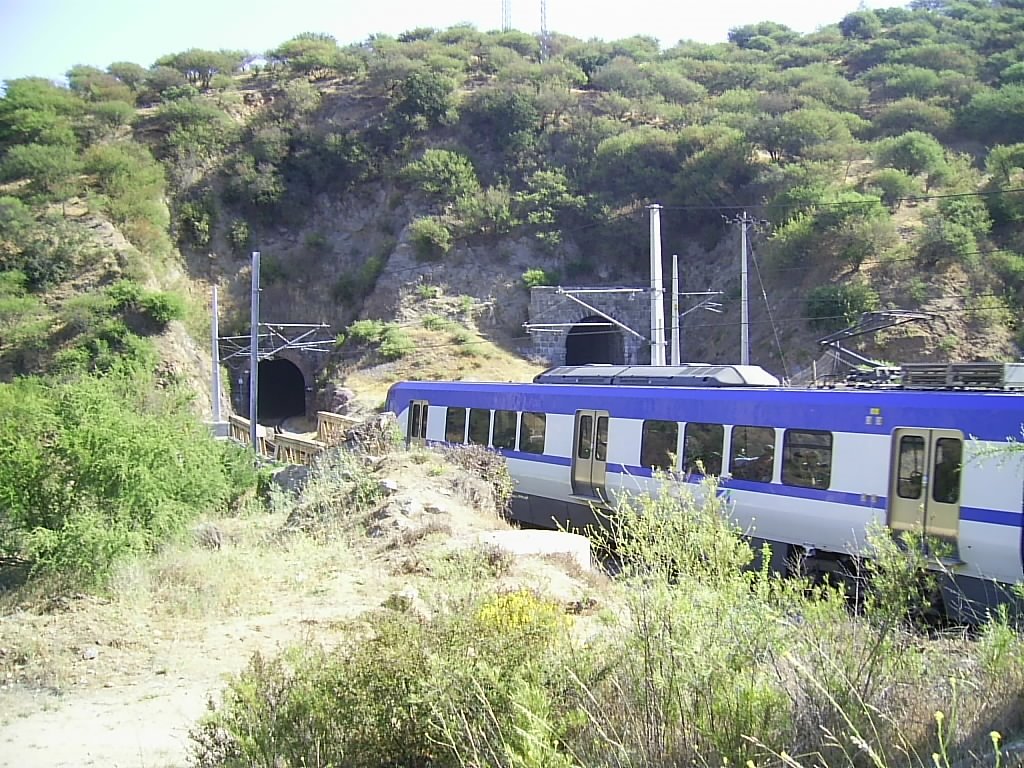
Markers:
(506, 15)
(544, 41)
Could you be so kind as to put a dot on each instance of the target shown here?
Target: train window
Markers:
(658, 444)
(753, 454)
(585, 437)
(504, 429)
(479, 425)
(414, 420)
(702, 448)
(807, 458)
(601, 449)
(948, 462)
(531, 432)
(910, 467)
(455, 425)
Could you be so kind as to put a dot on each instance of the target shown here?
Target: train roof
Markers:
(686, 375)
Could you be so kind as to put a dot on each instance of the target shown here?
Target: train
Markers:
(808, 470)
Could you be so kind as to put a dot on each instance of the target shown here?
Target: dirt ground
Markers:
(119, 681)
(136, 707)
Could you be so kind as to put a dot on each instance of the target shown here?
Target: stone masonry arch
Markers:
(550, 307)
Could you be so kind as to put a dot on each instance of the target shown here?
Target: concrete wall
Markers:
(631, 309)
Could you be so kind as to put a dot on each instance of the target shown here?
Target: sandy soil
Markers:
(137, 709)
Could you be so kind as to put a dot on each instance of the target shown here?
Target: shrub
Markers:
(535, 277)
(98, 469)
(894, 185)
(443, 175)
(430, 238)
(162, 307)
(239, 235)
(395, 344)
(831, 307)
(366, 331)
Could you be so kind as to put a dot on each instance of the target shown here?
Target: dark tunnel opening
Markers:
(594, 340)
(281, 391)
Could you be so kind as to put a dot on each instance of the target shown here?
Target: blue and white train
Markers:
(807, 470)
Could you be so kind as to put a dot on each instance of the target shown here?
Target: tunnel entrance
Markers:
(282, 391)
(594, 340)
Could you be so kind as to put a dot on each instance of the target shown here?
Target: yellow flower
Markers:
(939, 716)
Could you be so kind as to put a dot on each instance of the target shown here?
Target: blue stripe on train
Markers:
(972, 514)
(984, 415)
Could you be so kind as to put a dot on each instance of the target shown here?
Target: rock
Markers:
(89, 653)
(388, 487)
(408, 601)
(208, 536)
(338, 399)
(291, 479)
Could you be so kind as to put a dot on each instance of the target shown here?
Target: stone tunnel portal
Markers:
(594, 340)
(282, 391)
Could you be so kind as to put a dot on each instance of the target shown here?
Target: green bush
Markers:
(366, 331)
(430, 238)
(239, 235)
(162, 307)
(536, 277)
(95, 470)
(395, 344)
(831, 307)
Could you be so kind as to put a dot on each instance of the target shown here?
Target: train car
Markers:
(806, 470)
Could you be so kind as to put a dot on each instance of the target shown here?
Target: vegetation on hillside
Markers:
(880, 149)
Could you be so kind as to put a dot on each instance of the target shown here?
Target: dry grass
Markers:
(439, 355)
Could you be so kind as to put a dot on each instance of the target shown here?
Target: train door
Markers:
(924, 484)
(416, 428)
(590, 454)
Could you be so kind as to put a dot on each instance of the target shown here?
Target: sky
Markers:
(45, 38)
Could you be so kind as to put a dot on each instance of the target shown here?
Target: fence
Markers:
(293, 448)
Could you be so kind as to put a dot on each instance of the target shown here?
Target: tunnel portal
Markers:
(594, 340)
(281, 391)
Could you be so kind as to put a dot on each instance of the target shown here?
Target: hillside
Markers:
(880, 157)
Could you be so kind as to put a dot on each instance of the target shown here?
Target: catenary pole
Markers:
(215, 349)
(657, 290)
(676, 354)
(254, 350)
(744, 300)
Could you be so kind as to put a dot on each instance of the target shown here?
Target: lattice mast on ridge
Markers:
(545, 50)
(506, 15)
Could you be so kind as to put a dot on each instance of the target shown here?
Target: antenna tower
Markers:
(506, 15)
(544, 41)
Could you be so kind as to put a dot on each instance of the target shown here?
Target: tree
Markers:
(51, 169)
(914, 152)
(198, 66)
(34, 110)
(911, 114)
(893, 186)
(96, 85)
(500, 114)
(622, 75)
(636, 164)
(443, 175)
(128, 72)
(313, 54)
(996, 115)
(158, 80)
(833, 307)
(862, 25)
(424, 97)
